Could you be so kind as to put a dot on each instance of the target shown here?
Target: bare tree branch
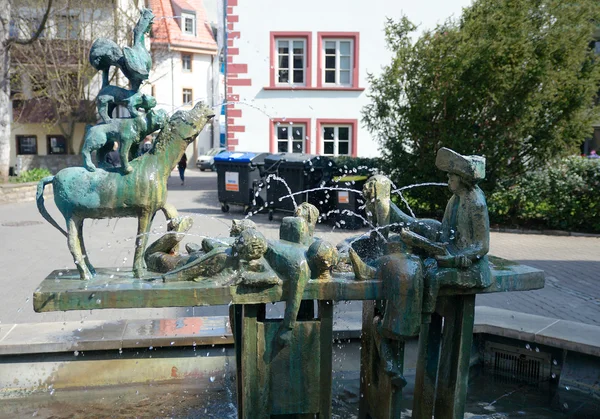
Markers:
(37, 33)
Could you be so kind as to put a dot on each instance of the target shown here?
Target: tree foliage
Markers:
(513, 80)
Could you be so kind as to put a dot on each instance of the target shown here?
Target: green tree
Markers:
(513, 80)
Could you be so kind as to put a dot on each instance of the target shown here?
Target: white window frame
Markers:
(184, 18)
(290, 67)
(183, 94)
(336, 139)
(290, 126)
(187, 70)
(337, 61)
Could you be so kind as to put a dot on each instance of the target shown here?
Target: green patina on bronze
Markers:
(81, 194)
(412, 273)
(126, 131)
(135, 62)
(140, 188)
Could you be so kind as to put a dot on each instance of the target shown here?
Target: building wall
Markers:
(41, 131)
(168, 80)
(95, 22)
(252, 109)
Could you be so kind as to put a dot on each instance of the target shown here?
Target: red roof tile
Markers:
(166, 29)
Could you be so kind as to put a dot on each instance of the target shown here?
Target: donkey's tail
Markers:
(39, 198)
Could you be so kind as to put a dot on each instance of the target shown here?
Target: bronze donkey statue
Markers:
(81, 194)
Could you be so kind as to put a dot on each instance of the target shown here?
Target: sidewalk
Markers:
(30, 248)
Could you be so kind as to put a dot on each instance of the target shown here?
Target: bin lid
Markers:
(298, 159)
(241, 157)
(349, 178)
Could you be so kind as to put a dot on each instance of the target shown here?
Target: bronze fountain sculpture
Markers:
(411, 273)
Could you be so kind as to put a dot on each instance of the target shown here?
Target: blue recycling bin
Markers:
(239, 179)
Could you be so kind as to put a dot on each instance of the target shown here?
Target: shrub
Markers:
(33, 175)
(564, 195)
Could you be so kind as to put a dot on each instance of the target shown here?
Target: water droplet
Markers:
(120, 351)
(565, 405)
(173, 343)
(553, 375)
(150, 348)
(76, 353)
(567, 388)
(212, 379)
(555, 362)
(528, 347)
(98, 301)
(60, 274)
(537, 349)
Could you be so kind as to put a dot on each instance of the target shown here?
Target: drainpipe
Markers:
(172, 80)
(225, 37)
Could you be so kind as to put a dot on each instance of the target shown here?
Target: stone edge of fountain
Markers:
(38, 338)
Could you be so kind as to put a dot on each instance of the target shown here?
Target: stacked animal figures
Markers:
(139, 187)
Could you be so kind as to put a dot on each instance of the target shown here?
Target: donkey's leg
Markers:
(144, 223)
(173, 221)
(170, 213)
(75, 248)
(85, 254)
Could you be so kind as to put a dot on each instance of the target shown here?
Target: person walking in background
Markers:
(182, 165)
(112, 158)
(593, 155)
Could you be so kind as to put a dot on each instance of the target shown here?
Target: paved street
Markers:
(31, 248)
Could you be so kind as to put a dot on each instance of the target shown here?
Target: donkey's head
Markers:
(188, 124)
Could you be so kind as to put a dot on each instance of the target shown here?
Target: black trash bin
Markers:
(351, 205)
(298, 172)
(239, 179)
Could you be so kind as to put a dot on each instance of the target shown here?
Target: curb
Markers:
(542, 232)
(58, 337)
(37, 338)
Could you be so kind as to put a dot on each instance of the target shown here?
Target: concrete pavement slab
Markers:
(30, 248)
(28, 338)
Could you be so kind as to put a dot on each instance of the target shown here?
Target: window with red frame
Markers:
(291, 61)
(338, 58)
(290, 137)
(336, 139)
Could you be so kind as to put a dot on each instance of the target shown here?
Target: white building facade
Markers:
(297, 71)
(185, 62)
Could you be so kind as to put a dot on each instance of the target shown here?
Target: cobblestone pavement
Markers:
(30, 248)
